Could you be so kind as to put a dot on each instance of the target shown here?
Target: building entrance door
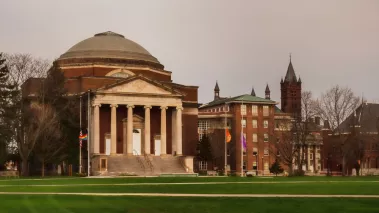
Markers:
(136, 141)
(157, 147)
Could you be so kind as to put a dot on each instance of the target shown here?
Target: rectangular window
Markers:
(266, 111)
(311, 156)
(254, 110)
(265, 137)
(243, 109)
(265, 124)
(244, 165)
(243, 122)
(103, 163)
(255, 137)
(266, 166)
(255, 151)
(203, 165)
(254, 165)
(202, 127)
(228, 152)
(255, 123)
(266, 153)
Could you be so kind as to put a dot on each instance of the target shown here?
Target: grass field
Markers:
(219, 185)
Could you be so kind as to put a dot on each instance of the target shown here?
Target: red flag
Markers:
(228, 136)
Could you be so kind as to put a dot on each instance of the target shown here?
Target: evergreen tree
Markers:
(7, 110)
(276, 168)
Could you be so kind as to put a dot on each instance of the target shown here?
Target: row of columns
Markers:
(129, 146)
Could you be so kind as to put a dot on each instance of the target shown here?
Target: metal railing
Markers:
(148, 162)
(139, 161)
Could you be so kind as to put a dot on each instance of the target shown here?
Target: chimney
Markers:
(317, 120)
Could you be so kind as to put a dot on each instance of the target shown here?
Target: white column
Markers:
(163, 130)
(179, 150)
(147, 130)
(173, 131)
(114, 128)
(96, 139)
(129, 134)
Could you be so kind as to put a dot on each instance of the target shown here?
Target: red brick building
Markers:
(139, 118)
(245, 115)
(354, 144)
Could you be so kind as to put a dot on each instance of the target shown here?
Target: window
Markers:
(203, 165)
(266, 166)
(266, 111)
(265, 124)
(244, 165)
(226, 108)
(254, 165)
(266, 153)
(255, 151)
(265, 137)
(243, 122)
(202, 127)
(254, 110)
(228, 152)
(311, 156)
(103, 164)
(277, 124)
(243, 109)
(255, 137)
(277, 140)
(255, 123)
(120, 75)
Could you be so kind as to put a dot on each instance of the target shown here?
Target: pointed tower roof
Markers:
(216, 87)
(290, 75)
(252, 92)
(281, 80)
(299, 80)
(267, 88)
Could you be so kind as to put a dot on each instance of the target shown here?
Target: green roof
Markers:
(239, 99)
(277, 110)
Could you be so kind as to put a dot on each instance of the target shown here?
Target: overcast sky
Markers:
(240, 43)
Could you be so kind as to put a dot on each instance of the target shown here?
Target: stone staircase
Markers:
(144, 165)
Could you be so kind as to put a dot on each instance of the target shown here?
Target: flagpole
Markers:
(242, 142)
(226, 141)
(88, 137)
(80, 143)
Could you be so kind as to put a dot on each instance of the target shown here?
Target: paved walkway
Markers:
(192, 195)
(185, 183)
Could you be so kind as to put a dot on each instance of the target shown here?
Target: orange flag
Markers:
(228, 136)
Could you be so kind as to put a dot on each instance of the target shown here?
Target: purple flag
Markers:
(243, 141)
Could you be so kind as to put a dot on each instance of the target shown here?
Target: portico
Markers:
(131, 106)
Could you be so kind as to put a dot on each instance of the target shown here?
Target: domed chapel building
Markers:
(141, 122)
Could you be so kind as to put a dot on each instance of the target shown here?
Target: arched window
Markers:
(120, 75)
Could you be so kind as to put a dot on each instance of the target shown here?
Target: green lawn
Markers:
(58, 180)
(93, 204)
(358, 188)
(280, 185)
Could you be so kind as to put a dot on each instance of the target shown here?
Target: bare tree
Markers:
(24, 66)
(284, 147)
(335, 105)
(49, 145)
(29, 122)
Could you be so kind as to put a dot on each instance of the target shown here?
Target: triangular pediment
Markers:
(139, 85)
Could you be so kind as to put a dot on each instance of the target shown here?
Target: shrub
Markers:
(298, 173)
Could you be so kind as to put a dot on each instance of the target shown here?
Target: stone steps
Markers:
(144, 165)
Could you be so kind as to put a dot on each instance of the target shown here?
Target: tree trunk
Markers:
(43, 169)
(24, 167)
